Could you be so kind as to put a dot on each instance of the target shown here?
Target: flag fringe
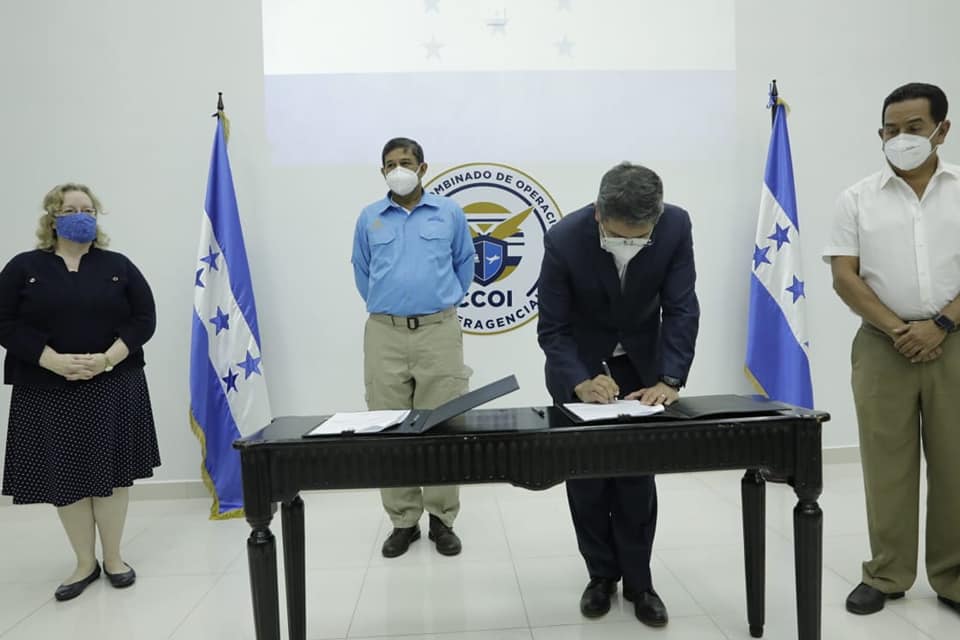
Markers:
(756, 383)
(226, 125)
(783, 103)
(207, 480)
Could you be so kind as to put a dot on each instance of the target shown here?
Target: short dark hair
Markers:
(934, 95)
(631, 193)
(402, 143)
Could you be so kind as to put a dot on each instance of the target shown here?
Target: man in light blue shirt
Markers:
(413, 261)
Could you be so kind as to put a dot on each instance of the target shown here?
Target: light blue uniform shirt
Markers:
(413, 264)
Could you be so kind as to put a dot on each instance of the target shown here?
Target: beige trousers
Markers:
(419, 368)
(901, 409)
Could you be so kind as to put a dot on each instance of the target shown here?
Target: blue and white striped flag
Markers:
(228, 393)
(777, 344)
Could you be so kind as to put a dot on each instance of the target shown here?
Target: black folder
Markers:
(422, 420)
(723, 406)
(703, 407)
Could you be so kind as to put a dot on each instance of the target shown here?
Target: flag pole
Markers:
(219, 113)
(774, 95)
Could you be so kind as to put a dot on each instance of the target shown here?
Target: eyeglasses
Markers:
(615, 236)
(70, 210)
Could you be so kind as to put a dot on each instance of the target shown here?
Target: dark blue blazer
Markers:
(584, 313)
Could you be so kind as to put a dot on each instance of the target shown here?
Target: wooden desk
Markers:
(534, 448)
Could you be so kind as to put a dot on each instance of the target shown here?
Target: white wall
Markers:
(117, 94)
(835, 62)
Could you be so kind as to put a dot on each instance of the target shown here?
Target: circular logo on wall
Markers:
(508, 212)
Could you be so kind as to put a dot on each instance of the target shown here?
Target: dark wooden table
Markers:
(534, 448)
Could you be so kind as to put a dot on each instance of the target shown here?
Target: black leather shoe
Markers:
(122, 580)
(399, 541)
(953, 604)
(865, 599)
(648, 607)
(70, 591)
(448, 544)
(595, 600)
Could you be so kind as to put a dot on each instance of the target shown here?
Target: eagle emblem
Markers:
(493, 260)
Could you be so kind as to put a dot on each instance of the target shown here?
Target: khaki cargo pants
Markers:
(415, 368)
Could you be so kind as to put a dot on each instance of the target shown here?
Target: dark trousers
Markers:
(615, 518)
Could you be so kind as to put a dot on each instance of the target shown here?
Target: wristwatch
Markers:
(108, 365)
(670, 381)
(945, 323)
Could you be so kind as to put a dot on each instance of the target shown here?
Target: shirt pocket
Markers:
(383, 249)
(436, 237)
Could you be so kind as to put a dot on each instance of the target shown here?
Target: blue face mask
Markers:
(77, 227)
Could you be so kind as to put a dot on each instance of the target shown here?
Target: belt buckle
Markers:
(413, 323)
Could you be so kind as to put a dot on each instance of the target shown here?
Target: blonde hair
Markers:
(52, 202)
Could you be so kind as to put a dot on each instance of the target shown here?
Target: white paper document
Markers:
(360, 422)
(589, 412)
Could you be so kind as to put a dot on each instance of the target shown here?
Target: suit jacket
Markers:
(584, 312)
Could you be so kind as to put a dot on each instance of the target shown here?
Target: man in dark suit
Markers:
(618, 311)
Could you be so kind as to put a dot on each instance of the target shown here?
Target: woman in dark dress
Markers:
(73, 319)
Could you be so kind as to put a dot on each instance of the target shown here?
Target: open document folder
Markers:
(686, 408)
(408, 422)
(588, 412)
(360, 422)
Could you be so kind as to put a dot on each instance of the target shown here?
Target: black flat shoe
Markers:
(122, 580)
(399, 541)
(865, 600)
(70, 591)
(447, 542)
(595, 600)
(648, 607)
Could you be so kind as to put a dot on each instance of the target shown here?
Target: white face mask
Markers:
(623, 250)
(908, 151)
(402, 181)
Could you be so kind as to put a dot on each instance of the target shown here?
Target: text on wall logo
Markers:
(508, 212)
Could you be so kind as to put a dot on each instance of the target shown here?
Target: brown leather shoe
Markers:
(399, 541)
(448, 544)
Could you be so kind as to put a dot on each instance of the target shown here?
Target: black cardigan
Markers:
(44, 304)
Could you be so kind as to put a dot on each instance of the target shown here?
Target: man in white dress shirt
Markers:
(895, 257)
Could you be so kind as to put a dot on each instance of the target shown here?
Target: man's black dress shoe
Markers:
(399, 541)
(595, 600)
(447, 542)
(122, 580)
(953, 604)
(648, 607)
(865, 599)
(70, 591)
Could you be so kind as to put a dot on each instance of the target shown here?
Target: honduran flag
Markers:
(228, 393)
(777, 359)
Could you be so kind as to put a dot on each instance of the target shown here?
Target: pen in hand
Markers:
(606, 370)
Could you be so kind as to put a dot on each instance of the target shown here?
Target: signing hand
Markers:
(601, 390)
(917, 340)
(659, 393)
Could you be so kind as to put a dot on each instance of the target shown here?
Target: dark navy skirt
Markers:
(69, 443)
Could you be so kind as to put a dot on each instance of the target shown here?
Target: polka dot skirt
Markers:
(69, 443)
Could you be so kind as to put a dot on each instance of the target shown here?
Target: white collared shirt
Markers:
(909, 247)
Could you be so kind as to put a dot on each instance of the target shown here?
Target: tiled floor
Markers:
(519, 578)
